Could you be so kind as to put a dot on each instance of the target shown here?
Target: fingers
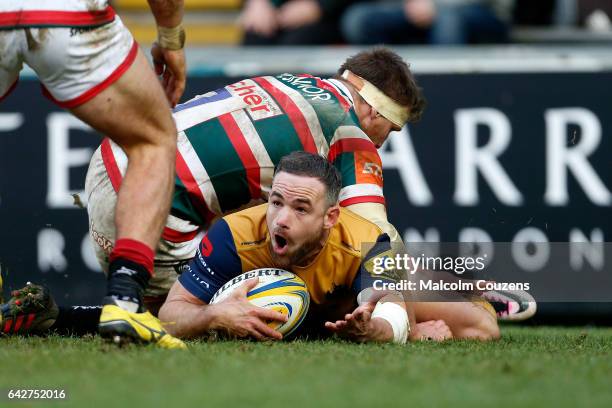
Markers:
(242, 290)
(369, 305)
(253, 326)
(259, 332)
(170, 64)
(337, 326)
(363, 313)
(158, 58)
(173, 88)
(262, 331)
(268, 314)
(177, 67)
(356, 319)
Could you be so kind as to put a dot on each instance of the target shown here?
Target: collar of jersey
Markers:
(341, 88)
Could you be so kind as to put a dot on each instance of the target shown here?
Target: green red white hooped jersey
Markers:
(54, 13)
(230, 140)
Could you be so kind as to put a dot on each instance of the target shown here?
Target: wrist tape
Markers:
(171, 38)
(397, 318)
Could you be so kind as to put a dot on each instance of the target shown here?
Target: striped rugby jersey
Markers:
(230, 140)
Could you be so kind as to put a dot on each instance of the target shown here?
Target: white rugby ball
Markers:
(278, 290)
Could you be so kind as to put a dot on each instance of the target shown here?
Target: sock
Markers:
(131, 267)
(77, 320)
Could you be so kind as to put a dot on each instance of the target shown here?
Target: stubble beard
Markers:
(301, 256)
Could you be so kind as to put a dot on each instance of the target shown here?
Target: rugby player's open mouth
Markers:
(280, 244)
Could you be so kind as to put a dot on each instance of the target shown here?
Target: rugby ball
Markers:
(278, 290)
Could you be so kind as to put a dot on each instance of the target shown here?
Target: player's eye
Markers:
(276, 203)
(301, 210)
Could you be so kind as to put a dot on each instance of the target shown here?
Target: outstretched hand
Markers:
(359, 325)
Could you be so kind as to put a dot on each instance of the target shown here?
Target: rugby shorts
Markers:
(73, 64)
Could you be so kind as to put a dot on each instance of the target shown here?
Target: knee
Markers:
(163, 133)
(156, 141)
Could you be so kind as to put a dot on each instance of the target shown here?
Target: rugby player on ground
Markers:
(230, 140)
(302, 229)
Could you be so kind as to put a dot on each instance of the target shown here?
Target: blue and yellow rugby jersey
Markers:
(240, 242)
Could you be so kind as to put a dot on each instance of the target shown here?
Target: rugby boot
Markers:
(121, 327)
(30, 309)
(511, 305)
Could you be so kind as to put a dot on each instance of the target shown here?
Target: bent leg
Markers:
(134, 112)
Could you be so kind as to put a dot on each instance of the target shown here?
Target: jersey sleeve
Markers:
(216, 262)
(367, 274)
(356, 158)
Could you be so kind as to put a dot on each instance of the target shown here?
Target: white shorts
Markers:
(73, 64)
(170, 256)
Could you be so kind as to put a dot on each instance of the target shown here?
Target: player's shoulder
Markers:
(353, 230)
(317, 90)
(248, 226)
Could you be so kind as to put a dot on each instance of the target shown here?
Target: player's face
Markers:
(296, 218)
(376, 126)
(379, 129)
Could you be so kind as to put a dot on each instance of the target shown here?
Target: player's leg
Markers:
(144, 129)
(101, 193)
(104, 79)
(134, 113)
(467, 320)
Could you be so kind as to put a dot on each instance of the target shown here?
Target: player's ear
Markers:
(331, 216)
(373, 113)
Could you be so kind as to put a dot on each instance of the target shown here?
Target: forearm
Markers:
(383, 330)
(167, 13)
(186, 320)
(380, 332)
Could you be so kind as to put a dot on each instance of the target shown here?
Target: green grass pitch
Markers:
(529, 367)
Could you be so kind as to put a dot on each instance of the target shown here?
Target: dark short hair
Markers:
(307, 164)
(391, 74)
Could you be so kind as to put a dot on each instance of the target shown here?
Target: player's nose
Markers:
(283, 217)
